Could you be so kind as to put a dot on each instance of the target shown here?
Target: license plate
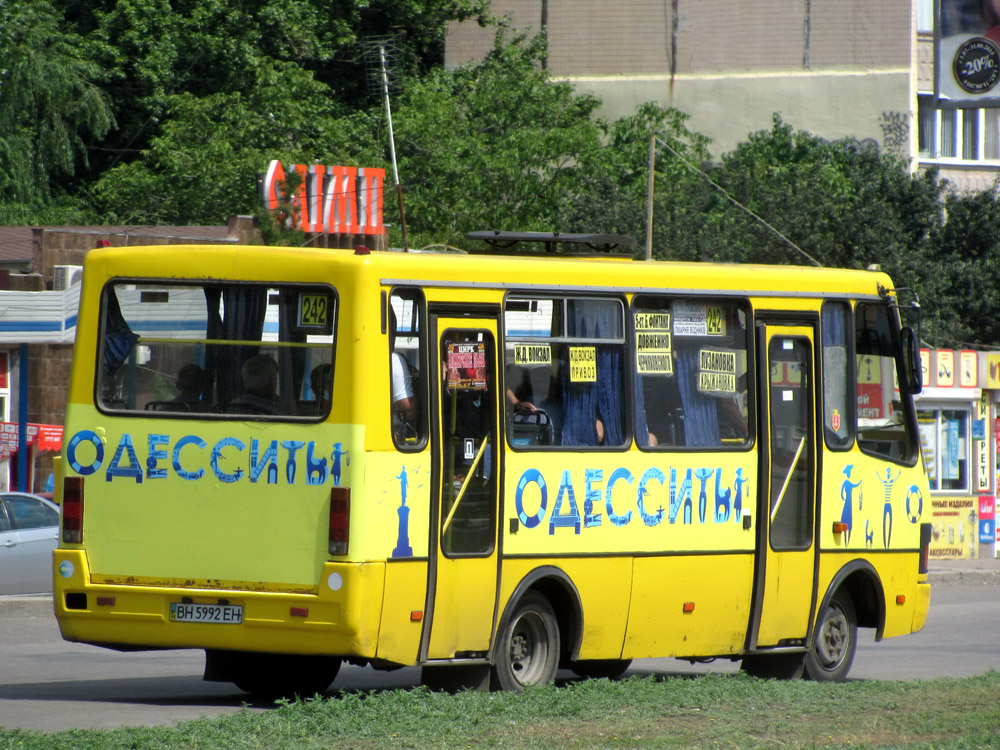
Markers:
(219, 614)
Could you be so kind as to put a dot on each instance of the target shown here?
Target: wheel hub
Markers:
(832, 643)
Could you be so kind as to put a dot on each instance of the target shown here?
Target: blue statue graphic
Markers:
(738, 495)
(887, 508)
(403, 548)
(847, 495)
(335, 461)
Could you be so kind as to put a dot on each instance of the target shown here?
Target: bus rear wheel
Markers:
(528, 650)
(832, 652)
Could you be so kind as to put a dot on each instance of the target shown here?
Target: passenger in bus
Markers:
(405, 407)
(260, 384)
(191, 382)
(319, 383)
(733, 412)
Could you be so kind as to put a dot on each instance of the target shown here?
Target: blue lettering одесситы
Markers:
(229, 460)
(565, 513)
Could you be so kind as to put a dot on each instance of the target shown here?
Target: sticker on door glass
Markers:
(465, 365)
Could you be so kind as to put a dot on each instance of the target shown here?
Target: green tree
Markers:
(50, 105)
(961, 279)
(498, 144)
(204, 164)
(156, 50)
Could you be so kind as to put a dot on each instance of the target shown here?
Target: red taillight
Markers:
(925, 547)
(72, 510)
(340, 519)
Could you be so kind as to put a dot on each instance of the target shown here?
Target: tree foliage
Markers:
(50, 105)
(165, 111)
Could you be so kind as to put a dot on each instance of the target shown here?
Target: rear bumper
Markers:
(921, 607)
(341, 618)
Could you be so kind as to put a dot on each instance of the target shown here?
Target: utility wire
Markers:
(735, 202)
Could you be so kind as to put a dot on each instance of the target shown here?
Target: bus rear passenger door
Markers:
(786, 554)
(464, 547)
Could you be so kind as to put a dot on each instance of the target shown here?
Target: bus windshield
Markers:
(250, 351)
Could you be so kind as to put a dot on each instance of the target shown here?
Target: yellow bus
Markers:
(489, 466)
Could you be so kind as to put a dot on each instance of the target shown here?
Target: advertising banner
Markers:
(967, 53)
(987, 519)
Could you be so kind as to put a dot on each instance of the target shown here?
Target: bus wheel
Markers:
(528, 650)
(596, 669)
(774, 666)
(836, 638)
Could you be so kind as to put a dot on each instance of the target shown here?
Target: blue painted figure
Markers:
(703, 476)
(335, 461)
(738, 495)
(847, 495)
(887, 508)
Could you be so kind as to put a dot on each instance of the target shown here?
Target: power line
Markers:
(731, 199)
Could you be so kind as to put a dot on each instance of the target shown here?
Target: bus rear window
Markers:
(249, 351)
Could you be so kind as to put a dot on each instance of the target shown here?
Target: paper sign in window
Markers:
(466, 365)
(698, 319)
(583, 364)
(717, 371)
(526, 355)
(653, 345)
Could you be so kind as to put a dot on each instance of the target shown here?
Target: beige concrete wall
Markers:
(697, 36)
(873, 104)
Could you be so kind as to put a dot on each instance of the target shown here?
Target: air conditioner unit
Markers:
(63, 277)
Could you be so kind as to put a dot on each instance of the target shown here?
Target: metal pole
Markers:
(649, 197)
(22, 419)
(392, 149)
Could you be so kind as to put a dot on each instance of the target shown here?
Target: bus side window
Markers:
(691, 384)
(838, 411)
(407, 345)
(882, 423)
(565, 371)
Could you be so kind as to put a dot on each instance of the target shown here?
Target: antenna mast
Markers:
(378, 46)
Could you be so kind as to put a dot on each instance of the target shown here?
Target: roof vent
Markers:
(563, 243)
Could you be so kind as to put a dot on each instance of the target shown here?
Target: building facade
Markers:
(836, 68)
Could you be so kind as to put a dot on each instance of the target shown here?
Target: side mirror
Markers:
(911, 360)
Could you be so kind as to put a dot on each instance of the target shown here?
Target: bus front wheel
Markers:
(528, 650)
(832, 652)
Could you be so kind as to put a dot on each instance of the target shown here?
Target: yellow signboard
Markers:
(526, 355)
(717, 371)
(583, 364)
(653, 344)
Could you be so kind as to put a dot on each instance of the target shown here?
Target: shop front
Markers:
(959, 435)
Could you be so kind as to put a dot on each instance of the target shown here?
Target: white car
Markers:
(29, 531)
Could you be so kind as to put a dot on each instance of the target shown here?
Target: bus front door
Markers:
(464, 544)
(786, 555)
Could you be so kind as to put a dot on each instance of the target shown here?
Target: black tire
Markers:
(527, 651)
(774, 666)
(596, 669)
(272, 676)
(836, 638)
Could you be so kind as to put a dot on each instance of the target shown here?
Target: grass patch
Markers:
(735, 712)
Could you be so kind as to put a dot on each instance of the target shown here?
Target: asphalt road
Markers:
(50, 685)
